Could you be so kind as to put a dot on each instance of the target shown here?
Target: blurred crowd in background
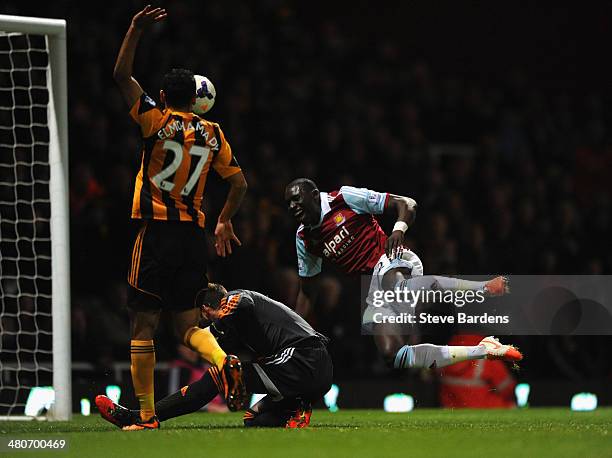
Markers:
(503, 140)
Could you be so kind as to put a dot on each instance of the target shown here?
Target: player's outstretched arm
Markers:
(224, 232)
(307, 296)
(406, 213)
(129, 87)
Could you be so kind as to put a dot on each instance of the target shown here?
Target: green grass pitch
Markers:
(347, 433)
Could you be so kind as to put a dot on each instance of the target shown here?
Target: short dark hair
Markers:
(304, 183)
(179, 87)
(213, 295)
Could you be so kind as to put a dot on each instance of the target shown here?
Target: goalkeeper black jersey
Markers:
(262, 325)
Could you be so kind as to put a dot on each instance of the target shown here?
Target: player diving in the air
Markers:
(340, 227)
(291, 364)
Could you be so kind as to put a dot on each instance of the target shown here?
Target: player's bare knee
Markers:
(180, 330)
(144, 325)
(388, 346)
(388, 353)
(389, 358)
(184, 321)
(143, 329)
(143, 333)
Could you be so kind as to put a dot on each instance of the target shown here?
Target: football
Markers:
(205, 95)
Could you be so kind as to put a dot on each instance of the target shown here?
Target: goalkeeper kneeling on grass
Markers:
(291, 364)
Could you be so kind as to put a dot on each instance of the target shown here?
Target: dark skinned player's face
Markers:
(303, 205)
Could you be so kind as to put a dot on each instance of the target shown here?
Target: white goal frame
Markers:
(55, 32)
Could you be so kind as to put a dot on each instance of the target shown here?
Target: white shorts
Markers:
(406, 260)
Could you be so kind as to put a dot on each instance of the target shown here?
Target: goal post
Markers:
(54, 31)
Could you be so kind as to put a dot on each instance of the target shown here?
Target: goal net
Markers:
(34, 249)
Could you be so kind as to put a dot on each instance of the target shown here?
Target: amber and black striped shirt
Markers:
(178, 151)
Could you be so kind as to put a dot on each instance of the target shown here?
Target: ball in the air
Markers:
(205, 95)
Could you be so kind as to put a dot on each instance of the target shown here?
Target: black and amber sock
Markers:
(188, 399)
(143, 365)
(217, 378)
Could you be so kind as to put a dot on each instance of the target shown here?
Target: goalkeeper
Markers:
(291, 364)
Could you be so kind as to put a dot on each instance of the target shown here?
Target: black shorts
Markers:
(295, 372)
(168, 266)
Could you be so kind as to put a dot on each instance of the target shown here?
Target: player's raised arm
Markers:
(129, 87)
(406, 213)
